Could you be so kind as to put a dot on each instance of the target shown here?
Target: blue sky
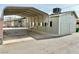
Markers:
(46, 7)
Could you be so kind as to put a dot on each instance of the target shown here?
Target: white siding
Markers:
(55, 25)
(67, 24)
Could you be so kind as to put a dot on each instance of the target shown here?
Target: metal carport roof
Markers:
(23, 11)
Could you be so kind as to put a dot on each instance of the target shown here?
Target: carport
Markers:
(33, 19)
(31, 14)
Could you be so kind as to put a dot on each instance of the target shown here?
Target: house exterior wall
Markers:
(61, 25)
(35, 23)
(7, 23)
(24, 22)
(67, 24)
(46, 20)
(40, 21)
(72, 23)
(55, 25)
(64, 24)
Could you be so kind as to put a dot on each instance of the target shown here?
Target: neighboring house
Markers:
(13, 23)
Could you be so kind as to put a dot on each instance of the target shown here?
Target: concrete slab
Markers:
(62, 45)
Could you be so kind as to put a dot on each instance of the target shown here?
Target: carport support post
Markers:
(1, 29)
(1, 41)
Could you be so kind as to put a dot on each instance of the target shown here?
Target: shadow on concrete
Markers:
(12, 34)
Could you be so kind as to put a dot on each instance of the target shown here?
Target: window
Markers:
(34, 24)
(45, 24)
(38, 24)
(42, 24)
(50, 23)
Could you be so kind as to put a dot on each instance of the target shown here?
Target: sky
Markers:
(48, 8)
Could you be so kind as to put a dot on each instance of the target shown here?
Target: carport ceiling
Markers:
(23, 11)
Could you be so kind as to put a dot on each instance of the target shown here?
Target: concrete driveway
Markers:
(30, 45)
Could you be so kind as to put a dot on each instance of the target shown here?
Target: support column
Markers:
(1, 41)
(1, 32)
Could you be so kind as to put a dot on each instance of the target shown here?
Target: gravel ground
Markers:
(30, 45)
